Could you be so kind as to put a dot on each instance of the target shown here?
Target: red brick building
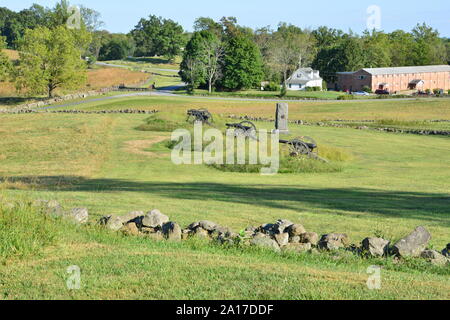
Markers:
(396, 79)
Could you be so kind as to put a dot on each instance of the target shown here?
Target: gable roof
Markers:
(302, 76)
(401, 70)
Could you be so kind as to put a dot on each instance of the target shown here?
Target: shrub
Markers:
(367, 89)
(310, 89)
(272, 86)
(283, 91)
(436, 91)
(346, 97)
(448, 91)
(427, 91)
(324, 85)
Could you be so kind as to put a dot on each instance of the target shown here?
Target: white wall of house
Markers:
(300, 87)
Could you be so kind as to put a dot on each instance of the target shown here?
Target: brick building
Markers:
(396, 79)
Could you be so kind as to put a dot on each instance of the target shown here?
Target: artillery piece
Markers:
(244, 128)
(305, 146)
(201, 115)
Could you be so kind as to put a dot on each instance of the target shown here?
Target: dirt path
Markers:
(138, 146)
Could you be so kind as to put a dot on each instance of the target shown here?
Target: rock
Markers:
(298, 247)
(130, 229)
(114, 223)
(207, 225)
(147, 230)
(154, 219)
(294, 239)
(434, 257)
(51, 207)
(269, 228)
(265, 242)
(446, 251)
(201, 233)
(296, 230)
(79, 215)
(172, 231)
(309, 237)
(413, 244)
(282, 239)
(281, 225)
(193, 225)
(134, 216)
(375, 247)
(333, 241)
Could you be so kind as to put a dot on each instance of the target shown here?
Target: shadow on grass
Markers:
(13, 101)
(414, 205)
(152, 60)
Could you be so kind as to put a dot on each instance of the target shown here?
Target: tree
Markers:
(292, 48)
(402, 46)
(213, 52)
(242, 64)
(429, 49)
(377, 49)
(49, 59)
(119, 46)
(208, 24)
(158, 36)
(5, 63)
(192, 69)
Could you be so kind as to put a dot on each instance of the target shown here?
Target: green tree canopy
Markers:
(242, 64)
(49, 59)
(5, 63)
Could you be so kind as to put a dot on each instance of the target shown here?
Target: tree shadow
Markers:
(433, 207)
(152, 60)
(13, 101)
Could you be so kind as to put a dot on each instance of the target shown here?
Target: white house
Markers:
(303, 78)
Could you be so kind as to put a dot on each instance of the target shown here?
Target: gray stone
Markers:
(434, 257)
(114, 223)
(298, 247)
(157, 236)
(154, 219)
(413, 244)
(207, 225)
(265, 242)
(375, 247)
(282, 118)
(282, 239)
(201, 233)
(295, 239)
(309, 237)
(296, 230)
(130, 229)
(133, 216)
(51, 207)
(172, 231)
(333, 241)
(79, 215)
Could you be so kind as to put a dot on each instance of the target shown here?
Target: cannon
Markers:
(244, 128)
(201, 115)
(305, 146)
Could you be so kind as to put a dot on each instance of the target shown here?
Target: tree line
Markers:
(217, 55)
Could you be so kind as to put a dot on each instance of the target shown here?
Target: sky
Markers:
(122, 16)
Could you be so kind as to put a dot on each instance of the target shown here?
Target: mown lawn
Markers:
(392, 184)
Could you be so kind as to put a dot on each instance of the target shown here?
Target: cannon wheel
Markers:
(208, 115)
(298, 147)
(311, 141)
(251, 133)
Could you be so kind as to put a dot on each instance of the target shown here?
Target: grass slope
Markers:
(392, 184)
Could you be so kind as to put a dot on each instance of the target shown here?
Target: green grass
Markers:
(390, 184)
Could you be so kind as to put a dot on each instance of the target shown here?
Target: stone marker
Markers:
(414, 244)
(282, 117)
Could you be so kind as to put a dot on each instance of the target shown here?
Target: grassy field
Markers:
(390, 184)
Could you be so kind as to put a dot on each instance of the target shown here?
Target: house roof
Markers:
(401, 70)
(303, 76)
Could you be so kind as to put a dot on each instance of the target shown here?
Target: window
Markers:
(361, 77)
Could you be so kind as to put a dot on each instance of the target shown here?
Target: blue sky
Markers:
(122, 16)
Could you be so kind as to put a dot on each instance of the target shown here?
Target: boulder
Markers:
(207, 225)
(375, 247)
(413, 244)
(281, 225)
(309, 237)
(333, 241)
(114, 223)
(51, 207)
(154, 219)
(298, 247)
(282, 239)
(201, 233)
(78, 215)
(294, 239)
(296, 230)
(434, 257)
(266, 242)
(157, 236)
(134, 216)
(446, 251)
(130, 229)
(172, 231)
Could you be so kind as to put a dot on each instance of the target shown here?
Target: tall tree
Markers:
(242, 64)
(158, 36)
(49, 59)
(377, 49)
(212, 52)
(5, 63)
(429, 49)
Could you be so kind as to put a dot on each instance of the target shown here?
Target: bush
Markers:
(324, 85)
(310, 89)
(367, 89)
(283, 91)
(448, 92)
(346, 97)
(427, 91)
(272, 86)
